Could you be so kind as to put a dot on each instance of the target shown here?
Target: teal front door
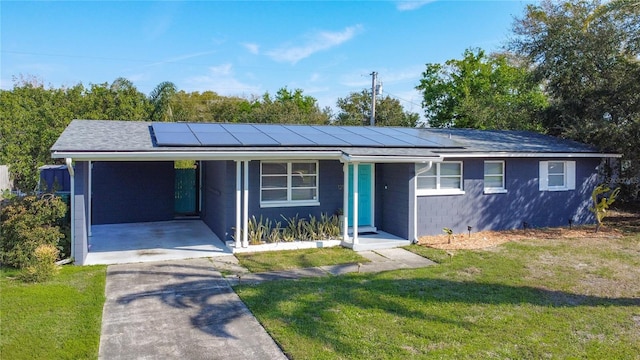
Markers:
(365, 195)
(186, 195)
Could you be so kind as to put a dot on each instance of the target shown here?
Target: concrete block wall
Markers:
(523, 202)
(136, 191)
(80, 244)
(392, 198)
(330, 193)
(218, 194)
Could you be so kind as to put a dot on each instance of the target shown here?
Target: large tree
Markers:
(289, 107)
(31, 119)
(119, 101)
(481, 91)
(355, 109)
(161, 97)
(587, 54)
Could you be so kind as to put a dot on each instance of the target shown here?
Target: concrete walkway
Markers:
(186, 309)
(380, 260)
(181, 309)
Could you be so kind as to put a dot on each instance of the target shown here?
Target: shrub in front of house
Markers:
(30, 227)
(43, 265)
(263, 230)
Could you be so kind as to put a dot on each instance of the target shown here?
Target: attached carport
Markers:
(153, 241)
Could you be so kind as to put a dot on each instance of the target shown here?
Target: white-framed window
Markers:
(443, 178)
(288, 183)
(557, 175)
(494, 182)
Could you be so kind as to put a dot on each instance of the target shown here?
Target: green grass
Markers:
(528, 300)
(59, 319)
(293, 259)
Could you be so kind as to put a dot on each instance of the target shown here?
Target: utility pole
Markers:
(374, 75)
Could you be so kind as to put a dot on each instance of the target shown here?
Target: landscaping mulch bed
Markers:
(484, 239)
(617, 220)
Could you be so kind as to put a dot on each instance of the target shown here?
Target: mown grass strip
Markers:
(295, 259)
(59, 319)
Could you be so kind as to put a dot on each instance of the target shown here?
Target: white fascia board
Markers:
(196, 155)
(527, 155)
(389, 159)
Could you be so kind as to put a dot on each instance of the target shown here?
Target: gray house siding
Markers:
(330, 179)
(523, 202)
(126, 192)
(392, 198)
(219, 204)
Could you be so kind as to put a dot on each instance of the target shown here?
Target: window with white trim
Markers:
(557, 175)
(288, 183)
(443, 178)
(494, 177)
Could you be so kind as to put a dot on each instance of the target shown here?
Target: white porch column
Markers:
(238, 203)
(245, 205)
(72, 203)
(355, 204)
(345, 202)
(89, 196)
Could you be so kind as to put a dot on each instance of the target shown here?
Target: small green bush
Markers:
(25, 224)
(43, 265)
(296, 228)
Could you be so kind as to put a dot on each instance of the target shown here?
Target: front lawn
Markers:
(59, 319)
(551, 298)
(293, 259)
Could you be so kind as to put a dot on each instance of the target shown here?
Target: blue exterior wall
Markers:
(392, 198)
(57, 178)
(523, 202)
(126, 192)
(330, 179)
(218, 197)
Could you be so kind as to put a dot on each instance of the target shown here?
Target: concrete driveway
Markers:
(181, 309)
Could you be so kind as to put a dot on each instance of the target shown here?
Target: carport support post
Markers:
(238, 203)
(72, 202)
(345, 203)
(245, 206)
(355, 204)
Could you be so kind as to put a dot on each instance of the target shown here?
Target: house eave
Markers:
(458, 155)
(389, 159)
(194, 155)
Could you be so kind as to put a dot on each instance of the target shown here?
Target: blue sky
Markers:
(327, 49)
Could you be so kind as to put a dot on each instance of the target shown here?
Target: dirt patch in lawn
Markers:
(618, 224)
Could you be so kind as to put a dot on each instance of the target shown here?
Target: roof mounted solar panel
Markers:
(285, 136)
(217, 139)
(206, 128)
(255, 139)
(176, 139)
(319, 137)
(423, 137)
(347, 136)
(244, 128)
(170, 127)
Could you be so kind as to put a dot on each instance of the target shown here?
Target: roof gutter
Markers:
(390, 159)
(528, 155)
(194, 155)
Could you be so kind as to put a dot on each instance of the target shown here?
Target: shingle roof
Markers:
(137, 136)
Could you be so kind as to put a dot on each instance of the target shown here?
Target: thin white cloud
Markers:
(252, 48)
(412, 5)
(316, 42)
(222, 80)
(180, 58)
